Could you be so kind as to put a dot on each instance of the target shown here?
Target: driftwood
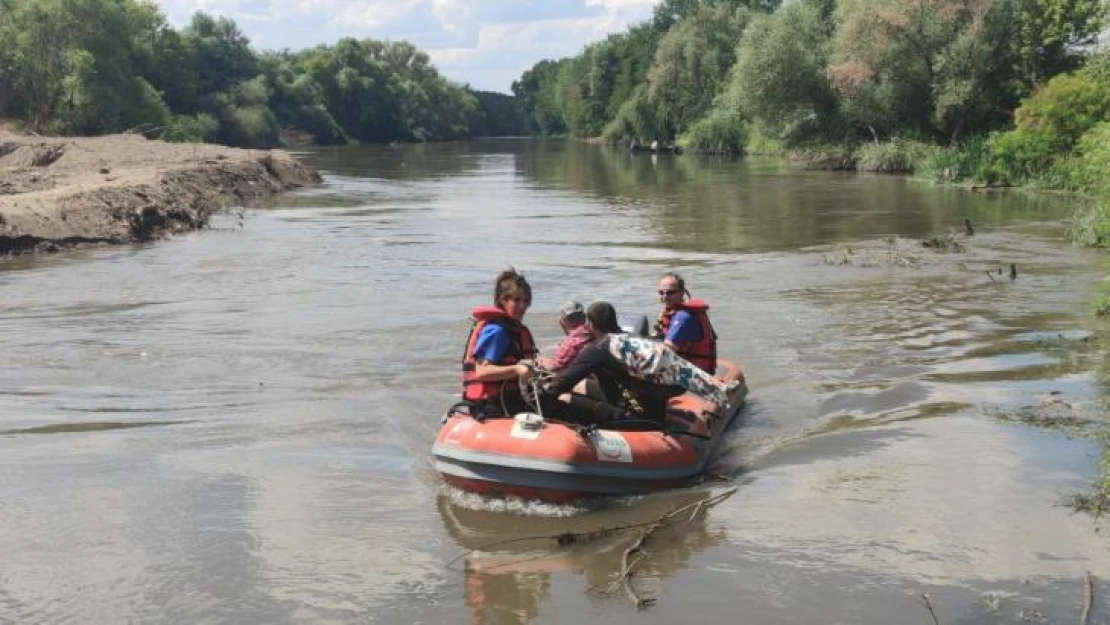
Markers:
(637, 551)
(929, 604)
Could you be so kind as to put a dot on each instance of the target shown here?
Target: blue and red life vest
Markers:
(521, 347)
(702, 353)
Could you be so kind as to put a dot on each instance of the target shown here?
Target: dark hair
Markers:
(603, 317)
(678, 279)
(508, 284)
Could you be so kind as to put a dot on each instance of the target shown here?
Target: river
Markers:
(234, 426)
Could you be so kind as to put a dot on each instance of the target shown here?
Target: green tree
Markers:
(928, 68)
(1048, 125)
(1052, 34)
(356, 86)
(222, 54)
(167, 63)
(692, 63)
(297, 100)
(974, 73)
(884, 62)
(498, 115)
(538, 93)
(637, 119)
(779, 80)
(70, 65)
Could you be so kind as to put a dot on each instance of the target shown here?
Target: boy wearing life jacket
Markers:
(684, 324)
(498, 346)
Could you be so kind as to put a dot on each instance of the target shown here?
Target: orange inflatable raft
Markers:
(528, 457)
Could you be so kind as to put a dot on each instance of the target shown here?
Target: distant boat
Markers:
(663, 149)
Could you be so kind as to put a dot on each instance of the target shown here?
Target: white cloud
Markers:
(504, 50)
(451, 12)
(372, 14)
(486, 43)
(620, 4)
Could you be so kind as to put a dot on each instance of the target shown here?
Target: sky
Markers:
(484, 43)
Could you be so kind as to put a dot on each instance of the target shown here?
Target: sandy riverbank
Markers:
(61, 192)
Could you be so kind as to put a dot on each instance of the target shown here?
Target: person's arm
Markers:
(489, 372)
(583, 365)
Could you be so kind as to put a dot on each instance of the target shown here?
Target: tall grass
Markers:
(826, 157)
(896, 156)
(963, 163)
(719, 133)
(761, 143)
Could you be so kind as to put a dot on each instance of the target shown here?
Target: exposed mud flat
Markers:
(62, 192)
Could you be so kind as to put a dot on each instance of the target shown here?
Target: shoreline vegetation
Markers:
(93, 67)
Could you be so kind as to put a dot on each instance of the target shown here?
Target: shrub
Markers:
(719, 133)
(1065, 108)
(759, 142)
(1091, 226)
(636, 118)
(894, 156)
(189, 129)
(1019, 156)
(1090, 171)
(250, 126)
(958, 164)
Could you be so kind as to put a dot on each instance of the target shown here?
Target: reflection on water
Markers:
(509, 560)
(300, 362)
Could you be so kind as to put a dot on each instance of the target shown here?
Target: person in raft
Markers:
(637, 376)
(500, 349)
(683, 324)
(572, 319)
(499, 354)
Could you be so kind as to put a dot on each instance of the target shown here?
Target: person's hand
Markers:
(524, 371)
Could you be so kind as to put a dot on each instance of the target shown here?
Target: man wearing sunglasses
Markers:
(684, 325)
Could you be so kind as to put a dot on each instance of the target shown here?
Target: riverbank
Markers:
(62, 192)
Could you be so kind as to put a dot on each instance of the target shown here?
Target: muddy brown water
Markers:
(234, 426)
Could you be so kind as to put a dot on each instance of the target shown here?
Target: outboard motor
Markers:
(636, 325)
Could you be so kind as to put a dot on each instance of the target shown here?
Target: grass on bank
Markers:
(1097, 500)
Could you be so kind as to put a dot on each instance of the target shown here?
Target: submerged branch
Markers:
(628, 565)
(1090, 599)
(929, 604)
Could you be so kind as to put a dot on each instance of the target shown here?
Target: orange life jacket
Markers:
(702, 353)
(521, 346)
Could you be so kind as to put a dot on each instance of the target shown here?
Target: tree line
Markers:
(988, 92)
(98, 66)
(723, 73)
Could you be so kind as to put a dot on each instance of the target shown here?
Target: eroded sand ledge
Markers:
(61, 192)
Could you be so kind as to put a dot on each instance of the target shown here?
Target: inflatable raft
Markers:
(528, 457)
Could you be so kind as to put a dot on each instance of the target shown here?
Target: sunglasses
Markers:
(668, 293)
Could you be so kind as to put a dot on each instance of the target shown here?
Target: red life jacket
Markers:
(702, 353)
(521, 346)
